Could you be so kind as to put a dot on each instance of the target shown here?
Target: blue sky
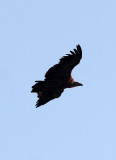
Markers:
(81, 124)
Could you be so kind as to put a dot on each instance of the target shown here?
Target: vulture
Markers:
(58, 78)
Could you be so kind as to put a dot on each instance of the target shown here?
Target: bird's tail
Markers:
(38, 86)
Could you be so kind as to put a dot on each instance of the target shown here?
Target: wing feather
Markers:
(66, 64)
(47, 96)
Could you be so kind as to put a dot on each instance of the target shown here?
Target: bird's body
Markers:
(58, 78)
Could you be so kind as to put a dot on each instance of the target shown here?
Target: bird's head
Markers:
(75, 84)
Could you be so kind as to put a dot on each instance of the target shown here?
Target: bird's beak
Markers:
(79, 84)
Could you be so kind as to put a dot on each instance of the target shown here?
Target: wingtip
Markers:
(79, 48)
(36, 106)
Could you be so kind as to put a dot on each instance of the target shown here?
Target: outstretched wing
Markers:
(43, 101)
(64, 67)
(47, 96)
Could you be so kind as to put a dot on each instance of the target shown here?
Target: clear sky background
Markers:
(81, 124)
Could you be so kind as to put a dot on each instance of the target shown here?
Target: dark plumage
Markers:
(58, 78)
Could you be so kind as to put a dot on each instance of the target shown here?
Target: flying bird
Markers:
(58, 78)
